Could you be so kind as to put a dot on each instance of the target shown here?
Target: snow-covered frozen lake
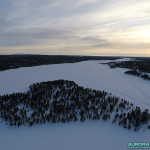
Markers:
(91, 135)
(89, 74)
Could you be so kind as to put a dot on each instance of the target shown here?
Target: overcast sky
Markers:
(75, 27)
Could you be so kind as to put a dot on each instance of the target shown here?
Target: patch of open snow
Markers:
(90, 135)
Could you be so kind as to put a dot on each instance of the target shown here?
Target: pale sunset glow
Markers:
(72, 27)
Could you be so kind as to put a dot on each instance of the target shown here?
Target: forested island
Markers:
(139, 67)
(64, 101)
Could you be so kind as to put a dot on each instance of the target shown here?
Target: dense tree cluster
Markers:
(65, 101)
(139, 74)
(17, 61)
(139, 67)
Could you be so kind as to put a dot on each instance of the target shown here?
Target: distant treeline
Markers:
(64, 101)
(17, 61)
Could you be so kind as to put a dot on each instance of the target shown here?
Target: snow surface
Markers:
(89, 74)
(90, 135)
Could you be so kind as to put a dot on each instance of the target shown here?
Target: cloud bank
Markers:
(85, 27)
